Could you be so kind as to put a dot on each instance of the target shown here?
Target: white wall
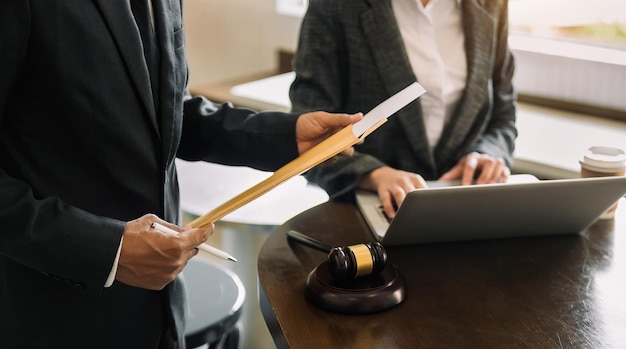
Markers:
(229, 39)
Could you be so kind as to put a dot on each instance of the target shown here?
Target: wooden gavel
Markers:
(350, 262)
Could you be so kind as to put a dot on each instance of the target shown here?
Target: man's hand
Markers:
(478, 168)
(151, 259)
(392, 185)
(314, 127)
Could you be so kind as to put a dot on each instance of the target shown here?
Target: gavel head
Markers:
(346, 263)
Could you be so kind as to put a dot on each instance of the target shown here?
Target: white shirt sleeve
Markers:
(111, 277)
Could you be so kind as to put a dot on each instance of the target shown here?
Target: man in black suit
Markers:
(90, 125)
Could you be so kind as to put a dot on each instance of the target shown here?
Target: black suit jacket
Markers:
(351, 57)
(83, 150)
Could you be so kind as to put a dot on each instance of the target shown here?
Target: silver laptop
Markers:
(444, 213)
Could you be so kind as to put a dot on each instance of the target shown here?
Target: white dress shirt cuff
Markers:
(111, 277)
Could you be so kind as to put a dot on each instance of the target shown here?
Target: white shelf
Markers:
(204, 186)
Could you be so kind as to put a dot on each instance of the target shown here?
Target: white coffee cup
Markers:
(602, 161)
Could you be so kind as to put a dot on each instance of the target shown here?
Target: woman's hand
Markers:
(479, 169)
(392, 186)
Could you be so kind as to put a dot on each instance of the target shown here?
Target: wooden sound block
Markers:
(367, 294)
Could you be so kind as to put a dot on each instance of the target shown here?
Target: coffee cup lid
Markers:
(603, 159)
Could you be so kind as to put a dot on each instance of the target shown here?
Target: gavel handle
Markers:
(309, 241)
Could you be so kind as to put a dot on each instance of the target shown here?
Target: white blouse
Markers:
(435, 44)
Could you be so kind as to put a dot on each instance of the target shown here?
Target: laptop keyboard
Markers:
(384, 214)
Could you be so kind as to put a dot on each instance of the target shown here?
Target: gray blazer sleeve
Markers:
(498, 140)
(322, 84)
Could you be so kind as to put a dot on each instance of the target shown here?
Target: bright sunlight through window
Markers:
(593, 22)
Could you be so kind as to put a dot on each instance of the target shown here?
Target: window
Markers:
(600, 23)
(571, 54)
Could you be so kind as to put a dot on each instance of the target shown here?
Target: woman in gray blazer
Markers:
(353, 54)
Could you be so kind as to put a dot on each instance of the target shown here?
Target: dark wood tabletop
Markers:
(541, 292)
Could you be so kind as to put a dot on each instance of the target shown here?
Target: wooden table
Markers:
(545, 292)
(219, 92)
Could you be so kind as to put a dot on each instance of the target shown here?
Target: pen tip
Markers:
(232, 258)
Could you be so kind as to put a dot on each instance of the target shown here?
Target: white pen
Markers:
(204, 247)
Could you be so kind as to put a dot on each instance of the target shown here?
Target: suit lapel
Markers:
(478, 27)
(163, 12)
(124, 31)
(383, 35)
(162, 22)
